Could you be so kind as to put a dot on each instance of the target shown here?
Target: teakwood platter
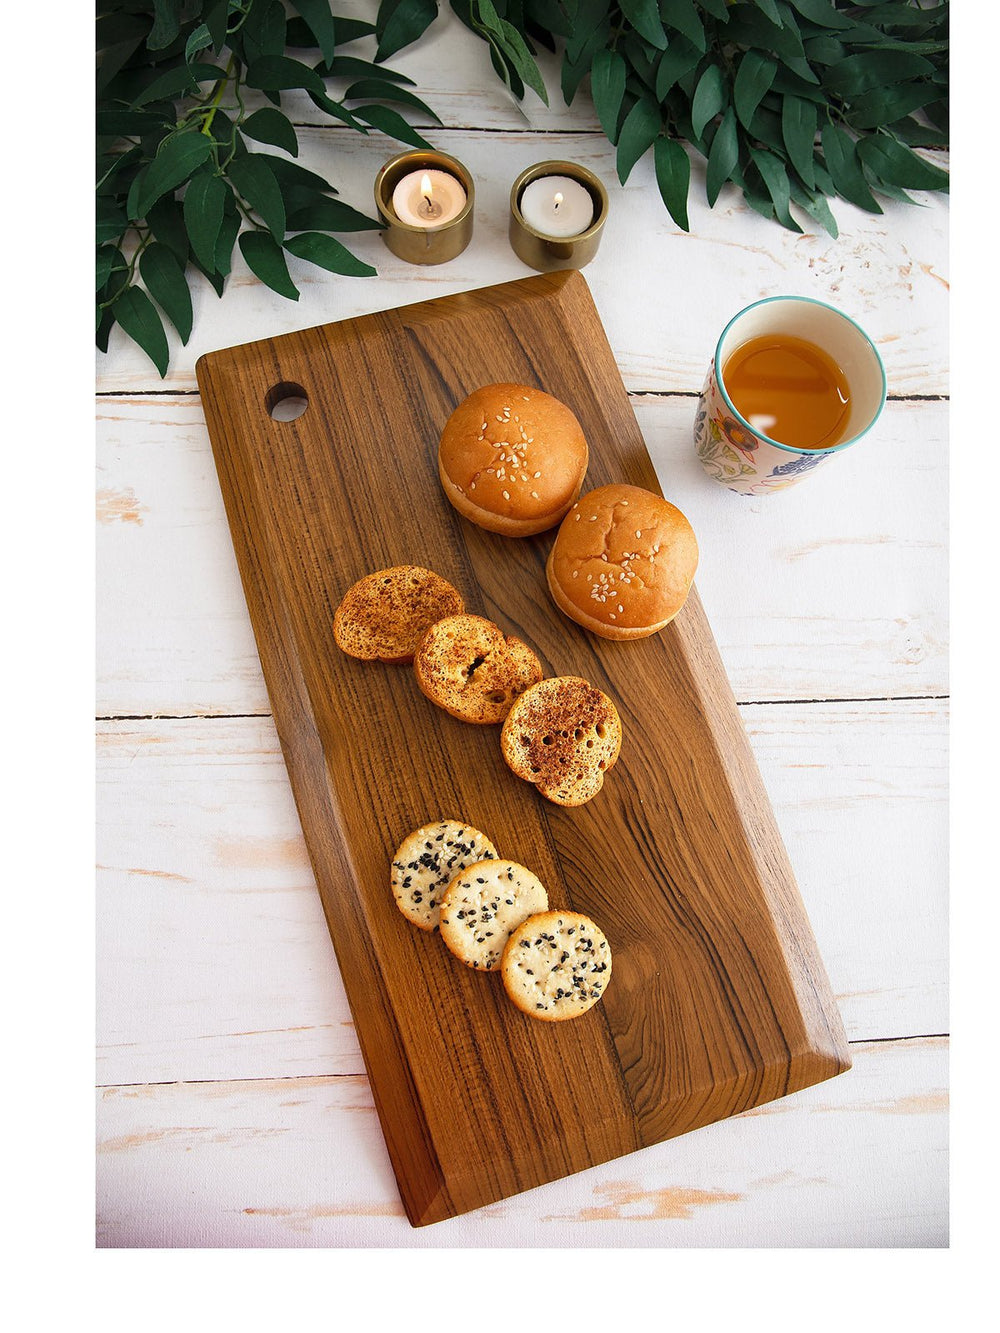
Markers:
(718, 999)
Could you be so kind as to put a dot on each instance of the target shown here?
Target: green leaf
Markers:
(204, 205)
(328, 253)
(137, 315)
(166, 222)
(124, 122)
(351, 67)
(644, 16)
(338, 111)
(798, 130)
(166, 24)
(277, 72)
(111, 220)
(682, 15)
(216, 16)
(841, 155)
(710, 96)
(896, 164)
(775, 178)
(722, 157)
(177, 159)
(290, 176)
(882, 106)
(753, 78)
(679, 59)
(673, 175)
(199, 40)
(513, 46)
(865, 70)
(821, 12)
(717, 8)
(769, 8)
(330, 215)
(607, 88)
(640, 128)
(321, 24)
(109, 260)
(264, 30)
(401, 22)
(228, 231)
(389, 92)
(392, 123)
(178, 80)
(266, 260)
(270, 126)
(165, 282)
(255, 181)
(813, 203)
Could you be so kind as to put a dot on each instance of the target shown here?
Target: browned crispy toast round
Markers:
(556, 965)
(468, 667)
(563, 735)
(383, 616)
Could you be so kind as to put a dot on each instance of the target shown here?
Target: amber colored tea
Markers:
(790, 390)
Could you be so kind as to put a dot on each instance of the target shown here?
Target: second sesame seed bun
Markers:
(512, 459)
(622, 562)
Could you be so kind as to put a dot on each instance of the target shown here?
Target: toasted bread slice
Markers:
(383, 616)
(563, 735)
(468, 667)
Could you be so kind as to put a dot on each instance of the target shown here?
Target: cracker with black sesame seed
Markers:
(428, 860)
(483, 904)
(556, 965)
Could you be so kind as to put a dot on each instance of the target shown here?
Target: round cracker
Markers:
(426, 862)
(556, 965)
(483, 904)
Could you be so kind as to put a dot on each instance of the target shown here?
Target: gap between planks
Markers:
(360, 1073)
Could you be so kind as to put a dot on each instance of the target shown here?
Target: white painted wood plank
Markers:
(860, 1161)
(214, 956)
(836, 588)
(664, 295)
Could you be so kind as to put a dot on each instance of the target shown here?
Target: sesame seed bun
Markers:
(512, 459)
(622, 562)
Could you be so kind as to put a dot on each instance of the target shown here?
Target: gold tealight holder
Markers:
(424, 244)
(548, 253)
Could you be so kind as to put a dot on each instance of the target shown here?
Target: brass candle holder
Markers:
(424, 245)
(548, 253)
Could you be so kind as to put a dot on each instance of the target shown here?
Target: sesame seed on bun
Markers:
(512, 459)
(623, 562)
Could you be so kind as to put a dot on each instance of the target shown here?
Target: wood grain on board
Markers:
(718, 1001)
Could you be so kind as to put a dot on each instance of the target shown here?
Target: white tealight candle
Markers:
(428, 198)
(556, 206)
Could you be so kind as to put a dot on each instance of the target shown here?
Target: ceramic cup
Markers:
(742, 457)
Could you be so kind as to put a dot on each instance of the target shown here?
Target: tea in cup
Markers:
(793, 382)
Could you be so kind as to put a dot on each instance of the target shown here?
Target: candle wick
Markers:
(557, 201)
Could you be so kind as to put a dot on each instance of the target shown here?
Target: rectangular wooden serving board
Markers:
(718, 999)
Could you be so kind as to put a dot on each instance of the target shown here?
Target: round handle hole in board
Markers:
(286, 401)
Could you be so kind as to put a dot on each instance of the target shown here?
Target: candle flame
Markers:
(558, 199)
(426, 189)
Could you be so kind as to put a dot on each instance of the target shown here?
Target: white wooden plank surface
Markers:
(664, 295)
(223, 966)
(860, 1161)
(833, 589)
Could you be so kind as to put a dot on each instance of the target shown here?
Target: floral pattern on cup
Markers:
(733, 455)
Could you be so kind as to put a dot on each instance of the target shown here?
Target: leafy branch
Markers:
(792, 101)
(179, 187)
